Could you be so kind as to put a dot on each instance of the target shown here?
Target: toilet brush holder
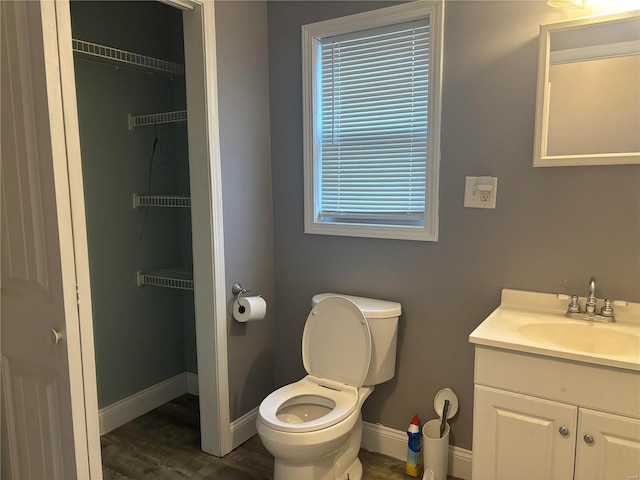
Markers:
(435, 434)
(436, 448)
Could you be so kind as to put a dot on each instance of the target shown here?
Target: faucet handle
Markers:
(607, 309)
(574, 306)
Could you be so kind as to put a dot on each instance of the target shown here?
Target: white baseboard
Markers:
(127, 409)
(142, 402)
(243, 428)
(460, 462)
(192, 383)
(388, 441)
(380, 439)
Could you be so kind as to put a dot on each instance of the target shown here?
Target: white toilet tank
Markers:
(382, 317)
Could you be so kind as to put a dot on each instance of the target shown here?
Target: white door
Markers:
(608, 447)
(49, 418)
(520, 437)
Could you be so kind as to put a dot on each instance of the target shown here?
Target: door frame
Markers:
(56, 26)
(207, 225)
(205, 172)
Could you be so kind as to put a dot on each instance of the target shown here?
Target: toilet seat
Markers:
(336, 342)
(344, 399)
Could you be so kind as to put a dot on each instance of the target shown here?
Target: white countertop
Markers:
(518, 309)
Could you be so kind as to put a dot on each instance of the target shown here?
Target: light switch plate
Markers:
(474, 198)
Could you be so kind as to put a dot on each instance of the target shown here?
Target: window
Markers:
(371, 97)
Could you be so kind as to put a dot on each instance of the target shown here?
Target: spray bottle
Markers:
(414, 450)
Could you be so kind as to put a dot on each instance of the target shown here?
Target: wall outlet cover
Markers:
(477, 198)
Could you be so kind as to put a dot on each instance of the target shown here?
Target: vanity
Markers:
(556, 397)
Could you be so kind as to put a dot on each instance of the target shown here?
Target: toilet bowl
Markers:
(313, 427)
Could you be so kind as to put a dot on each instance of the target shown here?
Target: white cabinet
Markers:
(607, 446)
(530, 421)
(518, 437)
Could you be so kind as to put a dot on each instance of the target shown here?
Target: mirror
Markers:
(588, 98)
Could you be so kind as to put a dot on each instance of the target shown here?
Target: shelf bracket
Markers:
(175, 201)
(156, 118)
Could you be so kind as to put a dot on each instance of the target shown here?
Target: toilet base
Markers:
(354, 472)
(343, 464)
(347, 461)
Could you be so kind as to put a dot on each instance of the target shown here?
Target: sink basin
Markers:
(590, 338)
(535, 323)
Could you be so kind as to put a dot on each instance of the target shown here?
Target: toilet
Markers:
(313, 427)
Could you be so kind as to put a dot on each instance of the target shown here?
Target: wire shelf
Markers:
(177, 277)
(156, 118)
(130, 59)
(161, 201)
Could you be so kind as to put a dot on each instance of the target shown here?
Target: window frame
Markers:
(312, 34)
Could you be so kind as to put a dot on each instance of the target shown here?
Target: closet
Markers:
(131, 97)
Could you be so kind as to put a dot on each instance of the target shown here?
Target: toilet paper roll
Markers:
(249, 309)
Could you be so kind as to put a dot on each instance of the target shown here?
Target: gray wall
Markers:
(552, 228)
(243, 93)
(139, 331)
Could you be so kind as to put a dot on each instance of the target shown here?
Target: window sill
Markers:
(372, 231)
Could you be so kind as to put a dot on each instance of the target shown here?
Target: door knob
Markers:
(588, 439)
(54, 336)
(564, 431)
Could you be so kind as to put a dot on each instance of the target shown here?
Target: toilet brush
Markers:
(445, 410)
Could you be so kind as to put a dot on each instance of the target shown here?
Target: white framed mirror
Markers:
(588, 97)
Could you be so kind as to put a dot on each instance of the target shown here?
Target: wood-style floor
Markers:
(165, 444)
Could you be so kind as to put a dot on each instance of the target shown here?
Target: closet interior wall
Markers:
(146, 334)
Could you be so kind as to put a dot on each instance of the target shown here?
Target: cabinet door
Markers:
(520, 437)
(608, 446)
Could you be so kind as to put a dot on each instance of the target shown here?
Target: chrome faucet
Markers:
(590, 306)
(606, 312)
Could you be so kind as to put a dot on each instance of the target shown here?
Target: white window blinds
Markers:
(373, 132)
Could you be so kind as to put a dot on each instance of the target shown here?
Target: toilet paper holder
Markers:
(246, 308)
(238, 290)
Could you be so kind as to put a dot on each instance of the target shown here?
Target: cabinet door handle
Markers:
(588, 439)
(564, 431)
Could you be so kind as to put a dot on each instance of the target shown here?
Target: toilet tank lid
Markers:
(370, 307)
